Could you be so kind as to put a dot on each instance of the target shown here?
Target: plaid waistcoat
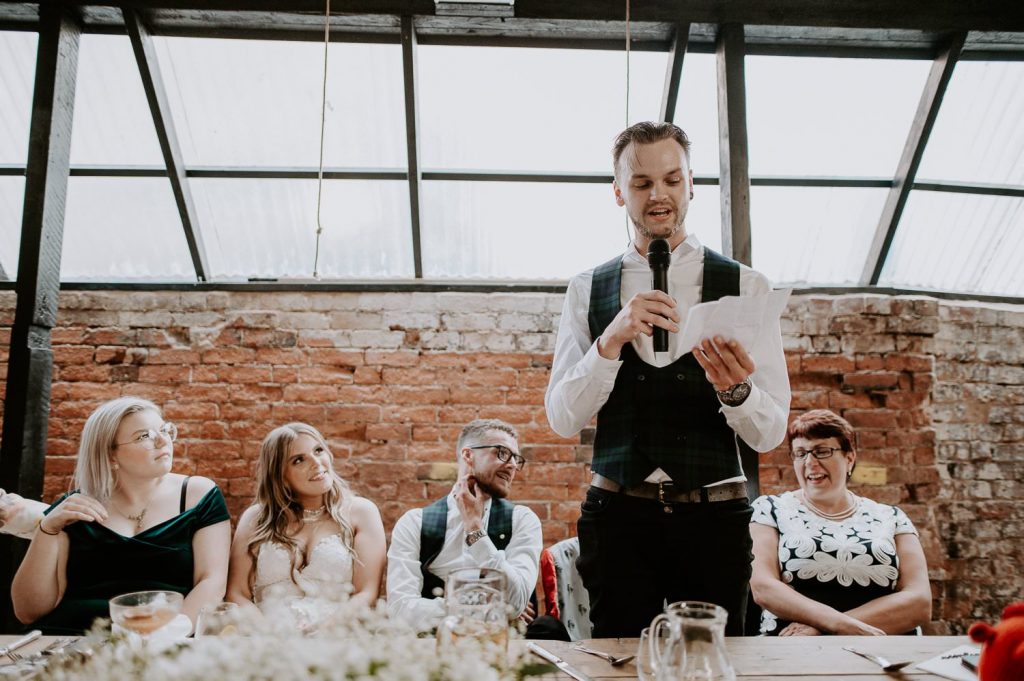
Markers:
(435, 526)
(665, 417)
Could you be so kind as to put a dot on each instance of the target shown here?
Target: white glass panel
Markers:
(530, 230)
(267, 228)
(697, 112)
(257, 102)
(813, 235)
(12, 202)
(530, 109)
(959, 242)
(17, 76)
(978, 136)
(817, 116)
(123, 229)
(113, 122)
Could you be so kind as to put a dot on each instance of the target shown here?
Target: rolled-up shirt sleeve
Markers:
(519, 561)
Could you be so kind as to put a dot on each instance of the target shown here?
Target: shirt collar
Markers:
(453, 507)
(689, 249)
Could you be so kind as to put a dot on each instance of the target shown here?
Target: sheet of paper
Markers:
(947, 664)
(747, 319)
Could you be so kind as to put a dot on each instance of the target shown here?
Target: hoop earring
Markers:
(691, 196)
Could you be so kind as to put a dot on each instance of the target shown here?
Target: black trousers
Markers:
(635, 557)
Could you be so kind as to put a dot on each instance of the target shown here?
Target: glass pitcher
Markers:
(687, 643)
(475, 608)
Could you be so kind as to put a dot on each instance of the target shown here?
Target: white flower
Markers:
(860, 569)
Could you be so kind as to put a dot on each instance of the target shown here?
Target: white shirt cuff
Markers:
(599, 367)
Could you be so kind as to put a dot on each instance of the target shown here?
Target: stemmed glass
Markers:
(220, 619)
(145, 612)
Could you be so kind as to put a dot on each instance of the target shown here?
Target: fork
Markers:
(9, 651)
(885, 664)
(612, 660)
(58, 646)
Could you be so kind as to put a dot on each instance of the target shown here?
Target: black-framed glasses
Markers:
(818, 453)
(504, 454)
(148, 439)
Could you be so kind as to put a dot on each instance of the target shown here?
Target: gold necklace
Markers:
(139, 517)
(845, 513)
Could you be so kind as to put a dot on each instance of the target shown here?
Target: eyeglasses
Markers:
(148, 440)
(504, 454)
(818, 453)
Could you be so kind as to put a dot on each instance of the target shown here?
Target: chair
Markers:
(572, 597)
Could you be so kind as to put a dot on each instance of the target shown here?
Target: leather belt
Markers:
(666, 493)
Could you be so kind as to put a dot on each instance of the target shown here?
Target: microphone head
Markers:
(658, 253)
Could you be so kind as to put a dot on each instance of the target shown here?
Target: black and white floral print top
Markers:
(843, 563)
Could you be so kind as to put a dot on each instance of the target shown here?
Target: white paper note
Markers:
(746, 319)
(947, 665)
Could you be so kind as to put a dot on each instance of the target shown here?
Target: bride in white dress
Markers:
(307, 543)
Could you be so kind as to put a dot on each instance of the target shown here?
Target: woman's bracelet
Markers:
(52, 534)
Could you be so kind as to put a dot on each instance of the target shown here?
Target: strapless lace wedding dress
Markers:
(319, 586)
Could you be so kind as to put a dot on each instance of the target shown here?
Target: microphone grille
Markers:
(658, 246)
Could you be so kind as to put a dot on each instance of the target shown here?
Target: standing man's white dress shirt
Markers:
(519, 562)
(582, 380)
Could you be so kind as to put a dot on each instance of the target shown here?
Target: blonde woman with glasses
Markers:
(307, 543)
(130, 525)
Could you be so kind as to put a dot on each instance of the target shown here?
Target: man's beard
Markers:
(647, 233)
(490, 490)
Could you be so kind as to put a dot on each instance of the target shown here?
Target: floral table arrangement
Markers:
(354, 645)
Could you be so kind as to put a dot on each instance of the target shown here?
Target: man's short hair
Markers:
(821, 424)
(648, 132)
(475, 431)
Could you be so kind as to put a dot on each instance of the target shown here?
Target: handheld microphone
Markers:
(658, 257)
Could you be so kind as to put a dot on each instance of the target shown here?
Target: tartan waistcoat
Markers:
(435, 526)
(662, 417)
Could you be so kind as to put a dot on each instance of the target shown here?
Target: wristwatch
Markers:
(474, 536)
(735, 395)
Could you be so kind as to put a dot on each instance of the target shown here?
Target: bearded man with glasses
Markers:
(473, 526)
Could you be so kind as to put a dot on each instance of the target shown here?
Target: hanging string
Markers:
(628, 41)
(629, 234)
(323, 122)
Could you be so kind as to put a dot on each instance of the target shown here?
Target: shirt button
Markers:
(681, 377)
(641, 377)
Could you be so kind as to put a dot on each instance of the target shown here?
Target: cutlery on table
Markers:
(885, 664)
(612, 659)
(8, 651)
(564, 666)
(57, 647)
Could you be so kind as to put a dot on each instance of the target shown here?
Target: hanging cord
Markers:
(628, 41)
(629, 235)
(323, 122)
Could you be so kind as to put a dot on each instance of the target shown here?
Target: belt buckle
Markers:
(666, 506)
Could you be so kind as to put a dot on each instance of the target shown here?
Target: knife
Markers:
(558, 662)
(21, 642)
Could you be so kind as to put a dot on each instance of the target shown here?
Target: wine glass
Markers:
(145, 612)
(218, 619)
(646, 669)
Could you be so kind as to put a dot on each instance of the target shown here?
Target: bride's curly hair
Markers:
(279, 512)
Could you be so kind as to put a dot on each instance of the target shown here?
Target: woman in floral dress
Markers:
(827, 561)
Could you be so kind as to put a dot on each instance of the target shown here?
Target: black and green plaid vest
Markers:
(435, 526)
(665, 417)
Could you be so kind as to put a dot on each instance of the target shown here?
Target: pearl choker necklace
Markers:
(845, 513)
(312, 515)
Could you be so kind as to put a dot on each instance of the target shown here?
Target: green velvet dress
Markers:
(103, 564)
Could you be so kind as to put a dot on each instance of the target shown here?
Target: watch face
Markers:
(741, 391)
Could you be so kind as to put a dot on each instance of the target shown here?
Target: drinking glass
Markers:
(475, 608)
(145, 612)
(645, 669)
(219, 619)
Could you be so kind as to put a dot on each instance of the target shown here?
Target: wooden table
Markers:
(794, 658)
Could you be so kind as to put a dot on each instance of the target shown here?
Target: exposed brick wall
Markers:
(934, 388)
